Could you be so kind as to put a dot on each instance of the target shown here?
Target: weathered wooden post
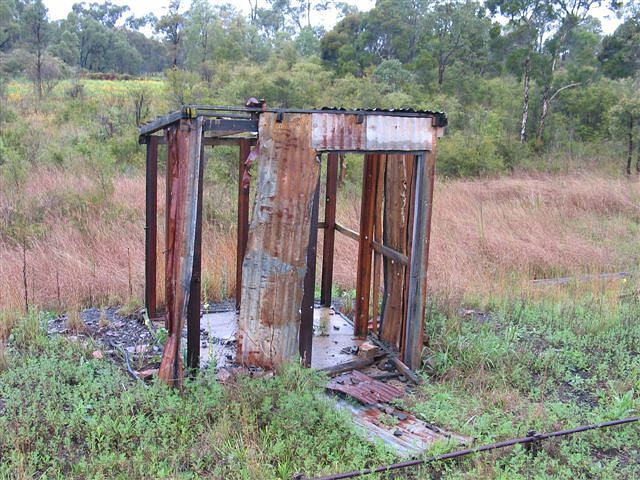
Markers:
(183, 203)
(151, 227)
(275, 261)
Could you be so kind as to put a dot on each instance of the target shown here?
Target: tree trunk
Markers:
(543, 115)
(39, 73)
(39, 61)
(441, 69)
(630, 144)
(638, 159)
(525, 100)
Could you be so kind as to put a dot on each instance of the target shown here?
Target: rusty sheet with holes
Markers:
(401, 431)
(364, 388)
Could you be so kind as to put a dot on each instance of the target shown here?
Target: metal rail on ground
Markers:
(532, 438)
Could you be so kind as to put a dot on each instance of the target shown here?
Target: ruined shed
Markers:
(276, 254)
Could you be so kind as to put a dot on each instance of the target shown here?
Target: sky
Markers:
(59, 9)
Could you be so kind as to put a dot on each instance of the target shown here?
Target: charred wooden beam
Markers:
(244, 185)
(208, 141)
(195, 293)
(328, 241)
(377, 245)
(306, 316)
(275, 262)
(151, 229)
(417, 294)
(367, 215)
(230, 126)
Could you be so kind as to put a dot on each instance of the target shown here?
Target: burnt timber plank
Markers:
(419, 258)
(377, 237)
(195, 295)
(151, 228)
(244, 184)
(306, 309)
(182, 213)
(365, 244)
(275, 263)
(328, 240)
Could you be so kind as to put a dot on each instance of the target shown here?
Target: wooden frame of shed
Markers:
(276, 259)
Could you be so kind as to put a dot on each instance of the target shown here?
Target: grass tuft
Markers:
(74, 321)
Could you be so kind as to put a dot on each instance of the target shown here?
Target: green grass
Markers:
(103, 88)
(64, 414)
(540, 365)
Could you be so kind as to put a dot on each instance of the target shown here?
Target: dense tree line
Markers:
(505, 70)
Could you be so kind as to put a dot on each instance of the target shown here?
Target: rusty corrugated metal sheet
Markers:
(398, 133)
(349, 132)
(332, 131)
(400, 430)
(364, 388)
(275, 262)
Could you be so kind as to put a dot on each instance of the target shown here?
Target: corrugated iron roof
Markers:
(192, 111)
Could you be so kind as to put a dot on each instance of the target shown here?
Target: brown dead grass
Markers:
(489, 238)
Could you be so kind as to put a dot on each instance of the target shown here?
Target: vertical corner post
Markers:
(365, 243)
(184, 171)
(195, 294)
(328, 241)
(417, 295)
(377, 235)
(244, 184)
(151, 228)
(306, 317)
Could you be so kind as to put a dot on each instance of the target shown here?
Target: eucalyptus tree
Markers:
(566, 15)
(456, 31)
(529, 22)
(626, 120)
(9, 24)
(171, 26)
(620, 53)
(36, 35)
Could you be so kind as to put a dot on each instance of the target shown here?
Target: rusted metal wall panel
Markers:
(398, 180)
(276, 257)
(337, 132)
(398, 133)
(182, 215)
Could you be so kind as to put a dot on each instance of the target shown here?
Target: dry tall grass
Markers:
(488, 237)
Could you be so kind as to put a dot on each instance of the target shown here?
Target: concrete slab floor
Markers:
(332, 338)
